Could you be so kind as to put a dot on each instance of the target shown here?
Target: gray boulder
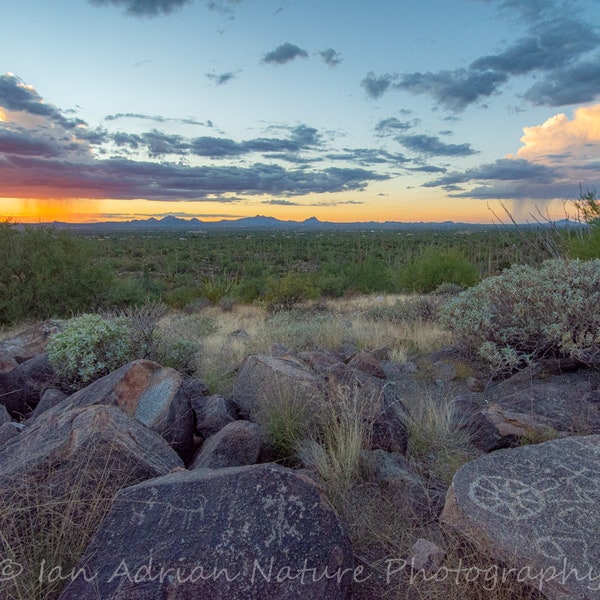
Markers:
(212, 414)
(8, 431)
(21, 388)
(535, 508)
(50, 398)
(146, 391)
(236, 445)
(61, 439)
(263, 377)
(261, 532)
(534, 410)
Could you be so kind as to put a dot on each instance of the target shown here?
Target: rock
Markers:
(468, 414)
(212, 414)
(7, 361)
(320, 360)
(535, 508)
(443, 371)
(537, 411)
(4, 416)
(261, 532)
(393, 470)
(367, 363)
(30, 342)
(195, 389)
(474, 385)
(236, 445)
(146, 391)
(389, 432)
(50, 398)
(105, 433)
(8, 431)
(21, 388)
(262, 377)
(425, 556)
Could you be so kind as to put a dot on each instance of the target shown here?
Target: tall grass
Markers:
(48, 516)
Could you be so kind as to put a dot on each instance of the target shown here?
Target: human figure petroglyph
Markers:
(176, 513)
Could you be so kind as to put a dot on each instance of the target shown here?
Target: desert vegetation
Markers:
(202, 304)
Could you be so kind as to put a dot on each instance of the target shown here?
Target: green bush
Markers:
(89, 347)
(531, 312)
(47, 273)
(435, 268)
(285, 293)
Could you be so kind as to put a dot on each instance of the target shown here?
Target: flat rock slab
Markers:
(248, 533)
(536, 507)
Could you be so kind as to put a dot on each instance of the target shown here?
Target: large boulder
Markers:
(236, 445)
(61, 439)
(263, 378)
(535, 410)
(146, 391)
(21, 388)
(535, 508)
(260, 532)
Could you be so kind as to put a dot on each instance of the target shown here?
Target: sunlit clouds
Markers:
(564, 137)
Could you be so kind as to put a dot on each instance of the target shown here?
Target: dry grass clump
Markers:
(48, 517)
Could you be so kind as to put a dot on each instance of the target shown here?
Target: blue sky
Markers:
(382, 110)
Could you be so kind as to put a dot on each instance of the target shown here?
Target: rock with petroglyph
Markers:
(260, 532)
(536, 508)
(146, 391)
(31, 341)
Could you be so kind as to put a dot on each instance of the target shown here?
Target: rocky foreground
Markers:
(203, 508)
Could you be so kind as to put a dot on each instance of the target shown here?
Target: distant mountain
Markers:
(258, 223)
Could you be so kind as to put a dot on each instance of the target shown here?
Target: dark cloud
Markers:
(574, 84)
(221, 78)
(284, 54)
(433, 146)
(392, 125)
(377, 86)
(453, 90)
(330, 57)
(551, 45)
(124, 179)
(504, 169)
(15, 95)
(555, 49)
(427, 169)
(144, 8)
(215, 147)
(368, 156)
(23, 143)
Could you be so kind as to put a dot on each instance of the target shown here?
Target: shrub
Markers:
(435, 268)
(89, 347)
(46, 273)
(285, 293)
(531, 312)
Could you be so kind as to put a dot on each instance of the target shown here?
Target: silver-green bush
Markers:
(89, 347)
(527, 313)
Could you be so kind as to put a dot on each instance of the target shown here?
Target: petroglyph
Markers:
(172, 515)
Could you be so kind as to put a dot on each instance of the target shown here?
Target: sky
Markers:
(355, 110)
